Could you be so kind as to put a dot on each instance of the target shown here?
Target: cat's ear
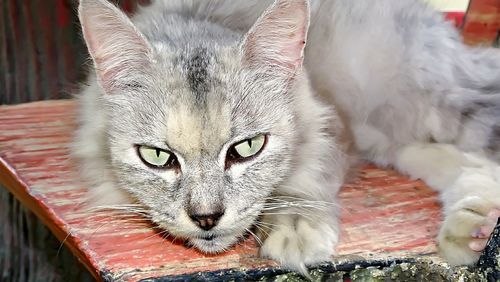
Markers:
(278, 38)
(120, 52)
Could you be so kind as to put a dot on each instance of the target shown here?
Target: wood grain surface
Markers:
(384, 215)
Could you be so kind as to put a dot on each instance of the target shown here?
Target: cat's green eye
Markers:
(246, 149)
(157, 158)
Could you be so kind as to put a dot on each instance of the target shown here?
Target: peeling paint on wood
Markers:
(385, 215)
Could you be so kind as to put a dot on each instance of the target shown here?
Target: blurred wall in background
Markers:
(42, 55)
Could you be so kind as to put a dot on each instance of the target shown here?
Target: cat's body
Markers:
(192, 80)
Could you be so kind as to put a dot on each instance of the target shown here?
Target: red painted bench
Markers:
(386, 217)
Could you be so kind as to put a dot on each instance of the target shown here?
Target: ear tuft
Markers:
(278, 37)
(119, 51)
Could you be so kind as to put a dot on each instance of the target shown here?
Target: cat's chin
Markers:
(213, 245)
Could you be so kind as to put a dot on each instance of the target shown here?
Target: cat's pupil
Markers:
(245, 150)
(157, 153)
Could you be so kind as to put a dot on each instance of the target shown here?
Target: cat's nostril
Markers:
(206, 221)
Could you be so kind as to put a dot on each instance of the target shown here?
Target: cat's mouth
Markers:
(213, 243)
(208, 237)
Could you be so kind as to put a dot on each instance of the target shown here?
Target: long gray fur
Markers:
(194, 77)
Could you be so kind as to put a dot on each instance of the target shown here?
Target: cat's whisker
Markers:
(124, 211)
(132, 219)
(302, 207)
(62, 243)
(290, 213)
(308, 204)
(305, 204)
(267, 224)
(287, 197)
(97, 229)
(155, 234)
(117, 206)
(166, 236)
(257, 239)
(262, 229)
(275, 207)
(300, 202)
(306, 207)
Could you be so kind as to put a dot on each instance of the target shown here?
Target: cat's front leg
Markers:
(297, 239)
(470, 191)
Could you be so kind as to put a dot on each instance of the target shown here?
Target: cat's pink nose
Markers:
(208, 221)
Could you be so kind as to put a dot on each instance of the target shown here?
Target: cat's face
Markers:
(221, 151)
(200, 135)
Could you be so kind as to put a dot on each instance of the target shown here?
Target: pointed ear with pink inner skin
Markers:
(120, 52)
(278, 38)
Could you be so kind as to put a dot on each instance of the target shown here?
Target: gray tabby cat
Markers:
(201, 114)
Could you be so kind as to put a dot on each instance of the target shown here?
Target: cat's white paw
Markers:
(466, 229)
(300, 243)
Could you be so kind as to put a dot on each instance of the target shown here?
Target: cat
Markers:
(210, 117)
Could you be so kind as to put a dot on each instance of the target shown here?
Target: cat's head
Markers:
(201, 130)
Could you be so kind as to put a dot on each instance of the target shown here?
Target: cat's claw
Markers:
(466, 230)
(300, 244)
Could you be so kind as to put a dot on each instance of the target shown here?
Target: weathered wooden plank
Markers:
(384, 214)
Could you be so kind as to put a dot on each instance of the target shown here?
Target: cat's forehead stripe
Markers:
(197, 74)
